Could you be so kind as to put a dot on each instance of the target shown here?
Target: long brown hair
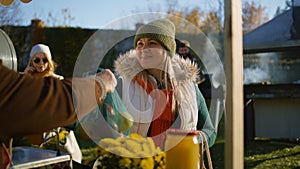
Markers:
(167, 80)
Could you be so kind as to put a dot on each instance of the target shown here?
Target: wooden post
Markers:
(234, 115)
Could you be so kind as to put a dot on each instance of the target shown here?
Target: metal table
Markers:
(29, 157)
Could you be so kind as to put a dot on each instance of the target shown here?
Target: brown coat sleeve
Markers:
(31, 105)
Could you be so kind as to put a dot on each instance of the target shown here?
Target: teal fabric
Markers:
(99, 115)
(102, 115)
(204, 120)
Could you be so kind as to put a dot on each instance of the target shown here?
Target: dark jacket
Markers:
(30, 105)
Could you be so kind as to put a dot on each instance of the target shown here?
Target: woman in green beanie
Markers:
(159, 88)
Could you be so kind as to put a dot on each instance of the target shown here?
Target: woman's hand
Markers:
(109, 80)
(29, 70)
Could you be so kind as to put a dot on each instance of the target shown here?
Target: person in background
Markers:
(159, 88)
(33, 105)
(185, 52)
(40, 63)
(184, 48)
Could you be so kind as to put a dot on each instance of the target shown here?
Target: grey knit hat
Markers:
(162, 30)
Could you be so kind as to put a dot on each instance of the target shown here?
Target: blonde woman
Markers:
(159, 88)
(40, 63)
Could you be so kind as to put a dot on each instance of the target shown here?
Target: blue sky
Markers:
(98, 13)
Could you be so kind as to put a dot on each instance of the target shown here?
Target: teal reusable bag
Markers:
(104, 121)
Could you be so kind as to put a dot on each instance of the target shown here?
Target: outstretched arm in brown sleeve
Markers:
(31, 105)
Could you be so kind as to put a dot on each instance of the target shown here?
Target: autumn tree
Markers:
(10, 15)
(177, 17)
(211, 23)
(253, 16)
(61, 19)
(196, 17)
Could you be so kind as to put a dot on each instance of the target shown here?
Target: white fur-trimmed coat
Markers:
(140, 104)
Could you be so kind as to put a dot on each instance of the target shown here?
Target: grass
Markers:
(275, 154)
(261, 153)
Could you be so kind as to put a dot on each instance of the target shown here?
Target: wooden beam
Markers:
(234, 114)
(272, 91)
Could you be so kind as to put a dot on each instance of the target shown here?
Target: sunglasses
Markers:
(37, 60)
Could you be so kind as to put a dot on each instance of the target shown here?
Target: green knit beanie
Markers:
(162, 30)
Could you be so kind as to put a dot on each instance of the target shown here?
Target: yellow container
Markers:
(182, 149)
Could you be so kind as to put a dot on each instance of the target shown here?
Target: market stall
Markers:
(272, 50)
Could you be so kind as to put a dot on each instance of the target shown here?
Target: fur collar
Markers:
(127, 65)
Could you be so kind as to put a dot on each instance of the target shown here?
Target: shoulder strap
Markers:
(209, 161)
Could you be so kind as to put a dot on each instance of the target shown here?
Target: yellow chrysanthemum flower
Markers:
(146, 149)
(133, 151)
(159, 157)
(125, 162)
(108, 142)
(132, 146)
(151, 145)
(135, 135)
(121, 140)
(120, 151)
(63, 134)
(136, 162)
(147, 163)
